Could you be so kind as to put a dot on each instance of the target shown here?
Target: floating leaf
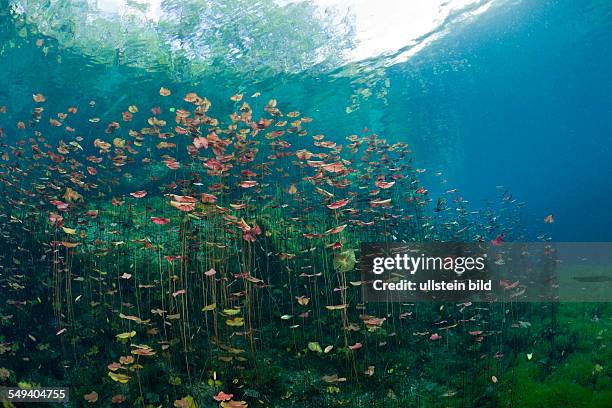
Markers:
(315, 346)
(118, 399)
(126, 335)
(209, 308)
(139, 194)
(234, 404)
(179, 292)
(186, 402)
(335, 230)
(70, 244)
(333, 379)
(160, 220)
(237, 321)
(136, 319)
(120, 378)
(221, 396)
(91, 397)
(142, 350)
(69, 231)
(336, 307)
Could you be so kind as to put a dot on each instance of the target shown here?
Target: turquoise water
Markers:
(517, 95)
(505, 109)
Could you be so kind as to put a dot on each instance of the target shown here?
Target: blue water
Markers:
(530, 108)
(518, 97)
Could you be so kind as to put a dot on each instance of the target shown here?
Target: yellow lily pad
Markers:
(236, 321)
(126, 335)
(209, 308)
(120, 378)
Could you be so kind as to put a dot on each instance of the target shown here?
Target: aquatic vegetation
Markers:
(170, 257)
(175, 244)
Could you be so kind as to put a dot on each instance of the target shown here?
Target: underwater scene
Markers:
(187, 188)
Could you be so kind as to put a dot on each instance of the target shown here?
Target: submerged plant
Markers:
(186, 255)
